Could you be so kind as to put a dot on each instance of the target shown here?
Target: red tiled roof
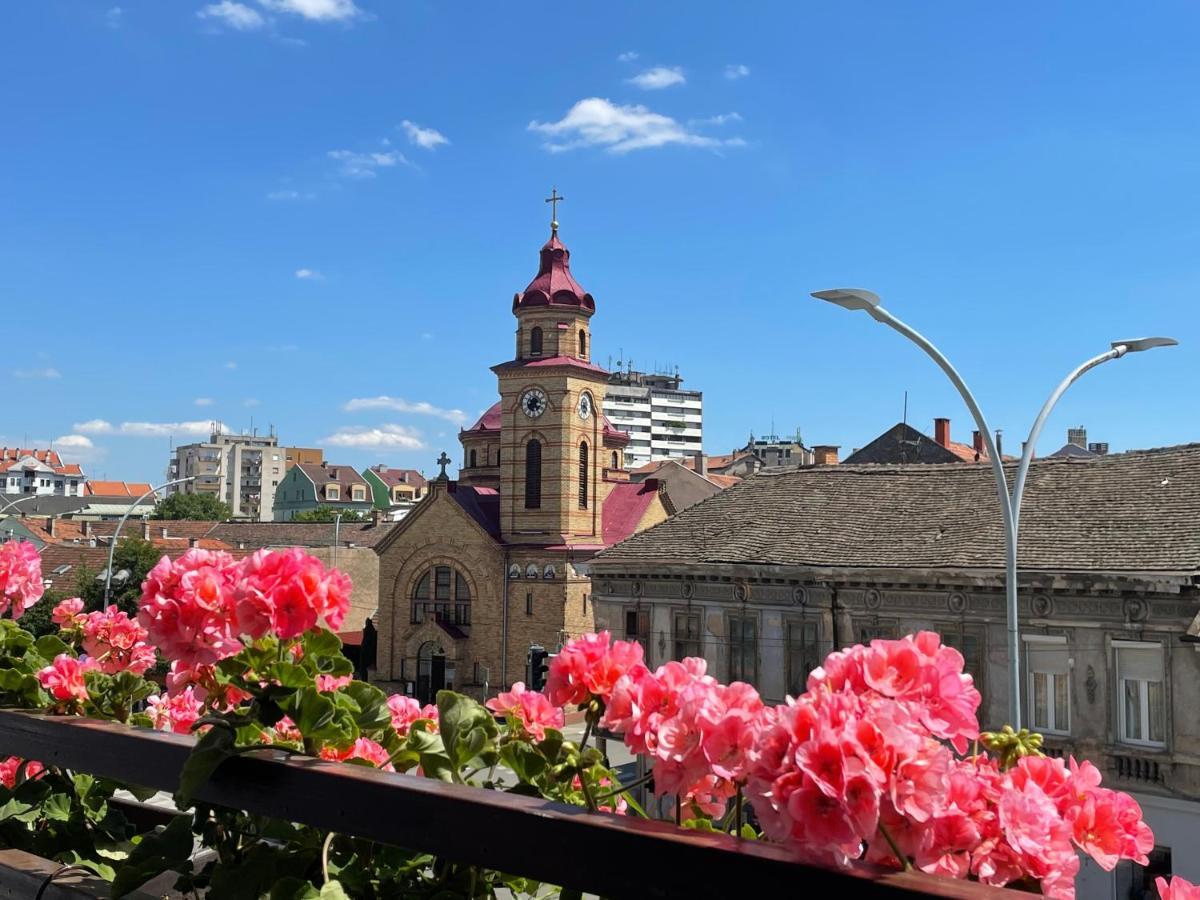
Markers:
(49, 457)
(550, 361)
(613, 434)
(490, 420)
(393, 477)
(115, 489)
(624, 508)
(554, 284)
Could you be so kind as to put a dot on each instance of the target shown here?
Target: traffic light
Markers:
(538, 662)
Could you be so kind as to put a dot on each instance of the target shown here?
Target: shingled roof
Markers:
(1130, 512)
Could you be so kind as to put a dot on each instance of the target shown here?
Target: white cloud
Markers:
(596, 122)
(406, 406)
(231, 365)
(734, 72)
(237, 16)
(290, 195)
(46, 372)
(722, 119)
(309, 275)
(365, 165)
(627, 56)
(203, 401)
(395, 437)
(149, 429)
(112, 18)
(426, 138)
(77, 448)
(315, 10)
(658, 78)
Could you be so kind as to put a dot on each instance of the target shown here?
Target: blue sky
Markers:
(218, 211)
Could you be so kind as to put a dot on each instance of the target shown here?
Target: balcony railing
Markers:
(613, 856)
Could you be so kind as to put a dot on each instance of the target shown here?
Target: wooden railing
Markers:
(612, 856)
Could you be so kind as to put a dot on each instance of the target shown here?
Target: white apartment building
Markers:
(243, 470)
(39, 473)
(664, 420)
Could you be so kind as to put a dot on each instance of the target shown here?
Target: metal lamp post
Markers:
(112, 548)
(9, 504)
(1010, 504)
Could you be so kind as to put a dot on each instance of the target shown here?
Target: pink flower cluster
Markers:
(115, 641)
(406, 710)
(20, 577)
(1176, 889)
(176, 713)
(363, 748)
(68, 614)
(63, 678)
(198, 608)
(861, 764)
(531, 710)
(10, 770)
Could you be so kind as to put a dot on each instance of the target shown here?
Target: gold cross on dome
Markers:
(553, 200)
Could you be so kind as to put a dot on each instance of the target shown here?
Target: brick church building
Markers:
(485, 566)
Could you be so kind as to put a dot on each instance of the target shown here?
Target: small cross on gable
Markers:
(443, 461)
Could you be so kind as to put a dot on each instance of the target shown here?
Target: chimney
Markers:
(164, 531)
(192, 542)
(825, 455)
(86, 528)
(145, 529)
(377, 516)
(50, 526)
(999, 443)
(701, 463)
(941, 431)
(977, 444)
(1077, 436)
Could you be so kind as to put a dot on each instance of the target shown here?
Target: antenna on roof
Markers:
(905, 419)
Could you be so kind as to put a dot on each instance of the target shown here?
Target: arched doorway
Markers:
(431, 671)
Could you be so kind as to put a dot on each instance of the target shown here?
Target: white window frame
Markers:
(1143, 694)
(333, 492)
(1031, 669)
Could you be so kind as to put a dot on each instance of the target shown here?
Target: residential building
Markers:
(39, 473)
(774, 451)
(395, 490)
(243, 470)
(487, 566)
(313, 456)
(309, 486)
(768, 577)
(683, 482)
(1077, 445)
(663, 419)
(903, 444)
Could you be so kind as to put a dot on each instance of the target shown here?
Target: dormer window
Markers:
(333, 492)
(358, 492)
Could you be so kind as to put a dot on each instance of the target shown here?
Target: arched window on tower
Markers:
(442, 594)
(582, 344)
(614, 460)
(583, 475)
(535, 342)
(473, 460)
(533, 475)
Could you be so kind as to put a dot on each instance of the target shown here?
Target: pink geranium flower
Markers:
(68, 613)
(531, 710)
(63, 678)
(178, 713)
(363, 748)
(20, 577)
(116, 642)
(406, 710)
(10, 770)
(1176, 889)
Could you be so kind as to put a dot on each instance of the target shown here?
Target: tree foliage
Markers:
(200, 507)
(328, 514)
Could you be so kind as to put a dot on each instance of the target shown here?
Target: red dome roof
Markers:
(489, 421)
(554, 285)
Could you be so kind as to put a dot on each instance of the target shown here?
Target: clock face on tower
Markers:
(585, 406)
(533, 402)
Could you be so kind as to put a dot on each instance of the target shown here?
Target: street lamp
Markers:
(11, 503)
(1010, 505)
(112, 548)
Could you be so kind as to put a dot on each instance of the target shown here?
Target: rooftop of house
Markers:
(393, 477)
(329, 473)
(116, 488)
(258, 535)
(1124, 513)
(12, 457)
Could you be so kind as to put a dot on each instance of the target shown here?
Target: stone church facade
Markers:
(488, 564)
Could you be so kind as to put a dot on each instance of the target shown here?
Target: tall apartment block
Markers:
(241, 469)
(664, 419)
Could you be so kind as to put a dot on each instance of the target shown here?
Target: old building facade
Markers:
(486, 565)
(767, 578)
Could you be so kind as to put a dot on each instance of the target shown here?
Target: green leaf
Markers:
(294, 889)
(49, 646)
(311, 710)
(214, 747)
(321, 643)
(748, 832)
(155, 853)
(291, 675)
(372, 703)
(57, 808)
(468, 732)
(332, 890)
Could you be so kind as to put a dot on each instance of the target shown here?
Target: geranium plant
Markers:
(880, 759)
